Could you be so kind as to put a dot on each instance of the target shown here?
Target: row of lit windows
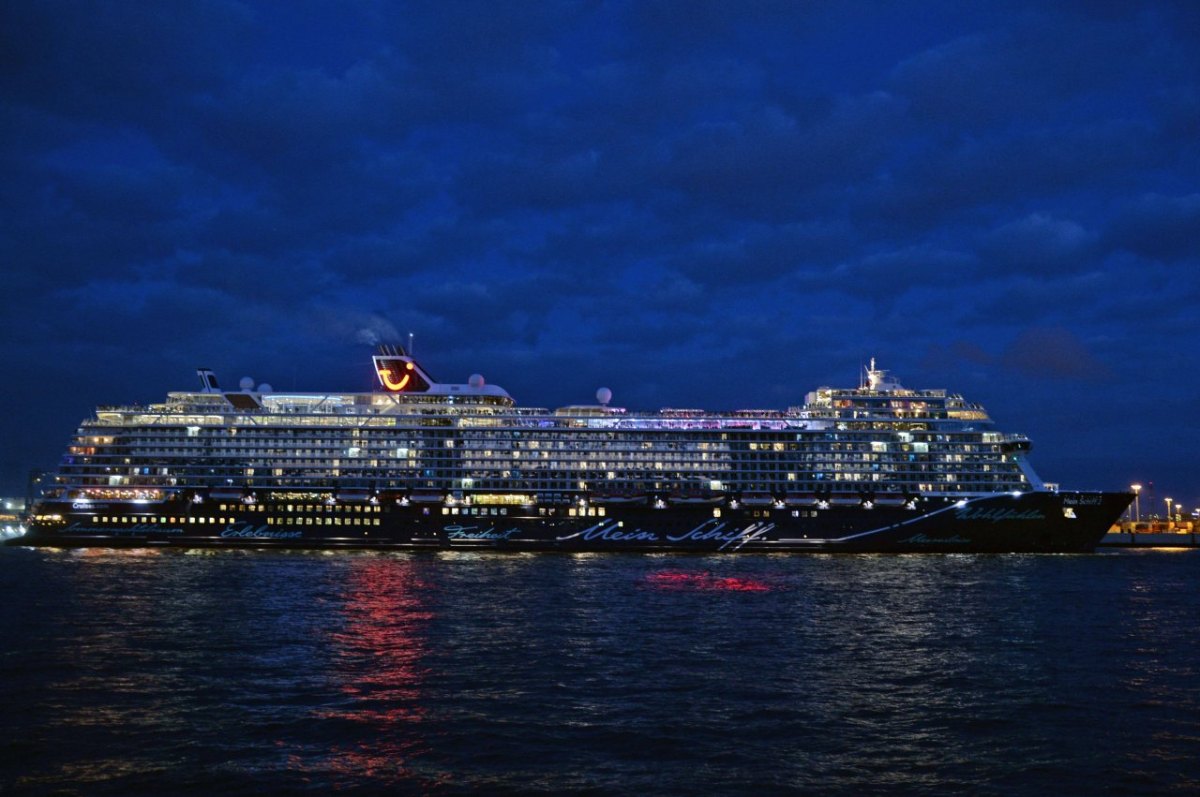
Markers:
(591, 511)
(151, 519)
(339, 425)
(530, 438)
(329, 521)
(617, 455)
(569, 480)
(622, 448)
(725, 463)
(271, 521)
(359, 508)
(474, 510)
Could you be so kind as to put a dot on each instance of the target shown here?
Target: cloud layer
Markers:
(1001, 200)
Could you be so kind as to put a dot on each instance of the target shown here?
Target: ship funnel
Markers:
(208, 380)
(399, 374)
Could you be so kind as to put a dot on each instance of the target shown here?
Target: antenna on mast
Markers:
(410, 344)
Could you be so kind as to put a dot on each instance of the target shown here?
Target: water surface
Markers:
(241, 672)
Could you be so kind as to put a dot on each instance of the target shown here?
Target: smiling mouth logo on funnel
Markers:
(399, 376)
(391, 383)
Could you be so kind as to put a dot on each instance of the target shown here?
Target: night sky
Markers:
(697, 204)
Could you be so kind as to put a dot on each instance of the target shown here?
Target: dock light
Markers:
(1137, 503)
(1168, 500)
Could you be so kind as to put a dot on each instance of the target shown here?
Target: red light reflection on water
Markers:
(704, 582)
(376, 659)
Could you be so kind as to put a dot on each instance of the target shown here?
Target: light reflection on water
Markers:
(376, 662)
(244, 671)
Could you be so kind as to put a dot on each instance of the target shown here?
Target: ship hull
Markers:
(1045, 522)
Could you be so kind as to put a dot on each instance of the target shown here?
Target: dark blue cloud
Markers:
(998, 199)
(1164, 228)
(1039, 244)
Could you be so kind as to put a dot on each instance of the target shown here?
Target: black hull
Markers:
(1029, 522)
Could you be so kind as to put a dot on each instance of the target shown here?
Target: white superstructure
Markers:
(415, 435)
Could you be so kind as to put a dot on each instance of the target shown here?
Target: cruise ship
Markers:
(418, 464)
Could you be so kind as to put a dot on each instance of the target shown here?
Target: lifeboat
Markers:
(617, 498)
(694, 498)
(757, 499)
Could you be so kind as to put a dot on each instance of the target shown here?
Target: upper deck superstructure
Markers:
(415, 434)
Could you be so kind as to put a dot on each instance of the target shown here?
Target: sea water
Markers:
(252, 672)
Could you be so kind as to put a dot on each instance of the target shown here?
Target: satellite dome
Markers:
(475, 381)
(246, 383)
(265, 388)
(604, 395)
